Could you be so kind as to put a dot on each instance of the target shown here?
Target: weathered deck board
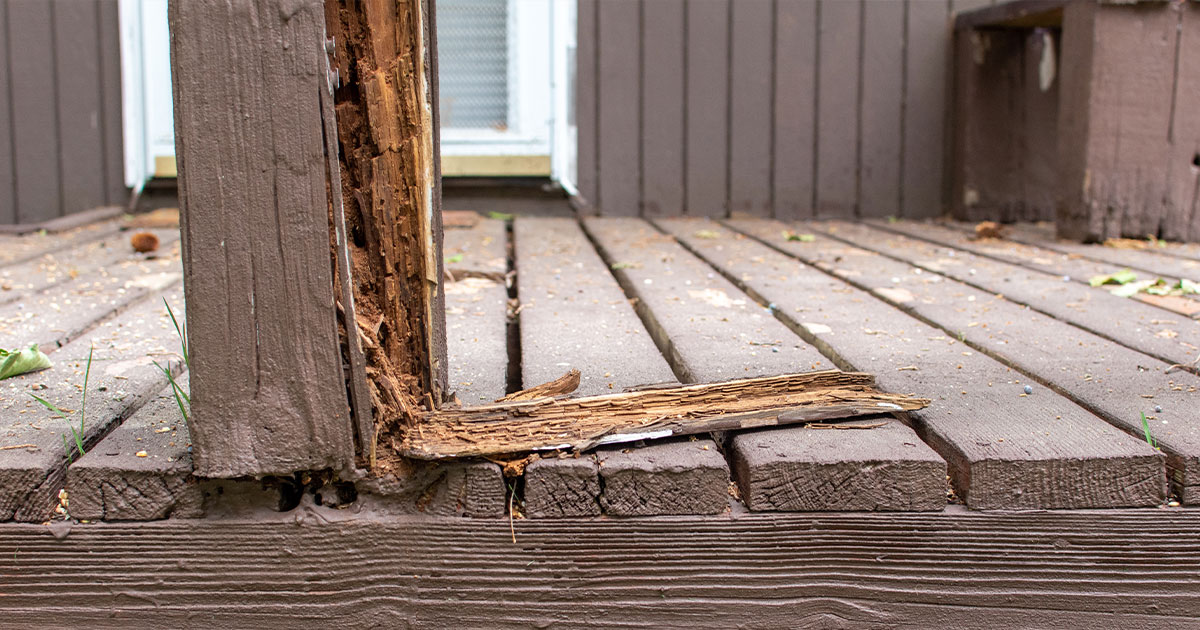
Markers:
(574, 315)
(18, 249)
(1146, 260)
(1071, 267)
(568, 298)
(708, 329)
(476, 310)
(142, 471)
(1131, 323)
(56, 315)
(123, 377)
(998, 452)
(1113, 381)
(711, 331)
(1102, 569)
(479, 250)
(476, 339)
(25, 279)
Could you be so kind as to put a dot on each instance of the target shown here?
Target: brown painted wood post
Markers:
(268, 392)
(1127, 136)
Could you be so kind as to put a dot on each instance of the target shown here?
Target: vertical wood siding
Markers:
(60, 108)
(783, 108)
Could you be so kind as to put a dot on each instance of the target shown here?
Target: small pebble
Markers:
(772, 306)
(1028, 389)
(141, 453)
(1157, 408)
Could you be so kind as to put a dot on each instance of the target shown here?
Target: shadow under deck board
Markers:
(1102, 569)
(1128, 322)
(998, 452)
(711, 331)
(1069, 268)
(1107, 378)
(123, 377)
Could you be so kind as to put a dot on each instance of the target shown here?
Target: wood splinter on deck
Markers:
(552, 423)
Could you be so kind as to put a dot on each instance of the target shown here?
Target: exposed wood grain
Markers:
(141, 471)
(795, 107)
(1114, 382)
(881, 115)
(1103, 569)
(997, 449)
(255, 221)
(389, 183)
(924, 109)
(837, 109)
(707, 108)
(885, 468)
(122, 378)
(36, 166)
(582, 423)
(662, 131)
(751, 73)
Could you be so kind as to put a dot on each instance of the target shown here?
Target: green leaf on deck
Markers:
(1132, 288)
(1187, 286)
(22, 362)
(789, 235)
(707, 234)
(1124, 276)
(457, 258)
(502, 216)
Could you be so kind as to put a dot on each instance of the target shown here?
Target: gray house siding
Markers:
(783, 108)
(60, 108)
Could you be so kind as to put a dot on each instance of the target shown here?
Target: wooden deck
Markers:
(970, 324)
(877, 534)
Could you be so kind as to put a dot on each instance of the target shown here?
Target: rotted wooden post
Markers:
(263, 189)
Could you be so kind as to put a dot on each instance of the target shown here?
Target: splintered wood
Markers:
(582, 423)
(385, 129)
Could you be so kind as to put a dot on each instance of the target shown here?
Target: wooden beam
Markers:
(321, 567)
(382, 52)
(582, 423)
(268, 394)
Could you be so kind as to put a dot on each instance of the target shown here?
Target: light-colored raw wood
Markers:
(581, 423)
